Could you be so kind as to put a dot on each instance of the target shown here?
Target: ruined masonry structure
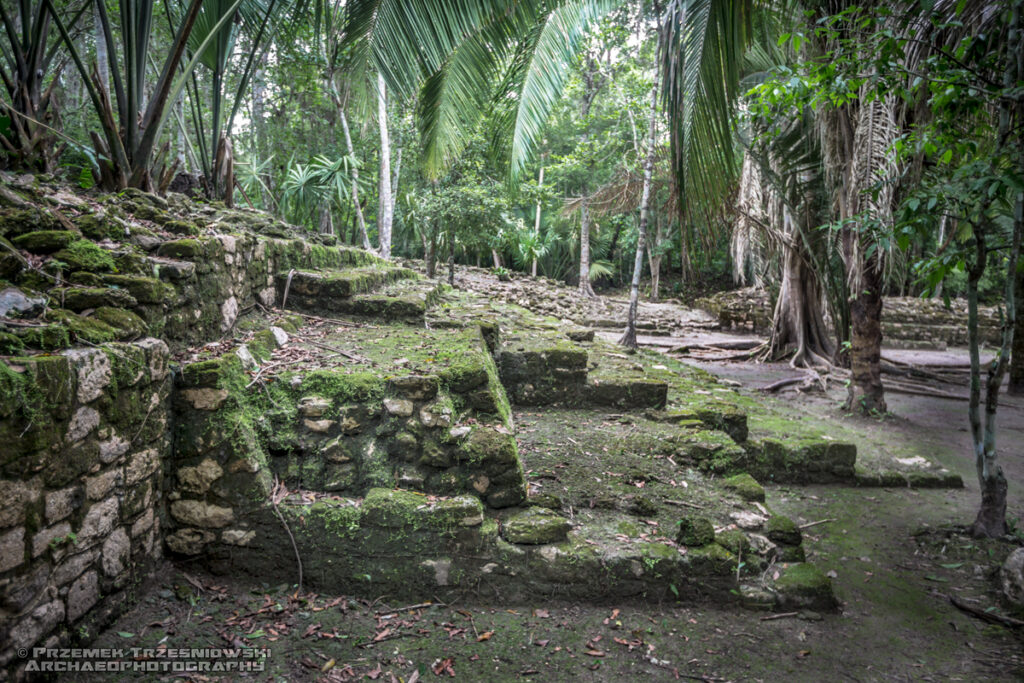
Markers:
(155, 400)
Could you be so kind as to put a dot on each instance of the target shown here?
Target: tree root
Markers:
(990, 617)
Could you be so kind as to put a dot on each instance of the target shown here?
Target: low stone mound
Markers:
(907, 322)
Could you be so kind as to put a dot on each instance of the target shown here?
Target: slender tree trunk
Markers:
(431, 251)
(654, 260)
(937, 294)
(451, 257)
(100, 43)
(496, 257)
(536, 222)
(386, 207)
(259, 96)
(395, 175)
(586, 289)
(1016, 386)
(991, 518)
(629, 336)
(360, 219)
(326, 223)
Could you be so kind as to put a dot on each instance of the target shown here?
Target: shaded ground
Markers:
(895, 553)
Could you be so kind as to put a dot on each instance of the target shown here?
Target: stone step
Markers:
(628, 394)
(541, 367)
(324, 291)
(407, 300)
(530, 552)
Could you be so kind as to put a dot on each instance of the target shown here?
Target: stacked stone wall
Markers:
(84, 437)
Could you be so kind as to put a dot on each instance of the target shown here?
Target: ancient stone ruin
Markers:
(198, 382)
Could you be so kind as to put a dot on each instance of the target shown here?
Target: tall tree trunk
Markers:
(385, 212)
(326, 222)
(102, 60)
(1016, 386)
(395, 175)
(592, 83)
(798, 324)
(360, 219)
(586, 289)
(259, 96)
(991, 519)
(654, 259)
(431, 251)
(496, 257)
(451, 257)
(865, 392)
(629, 336)
(536, 222)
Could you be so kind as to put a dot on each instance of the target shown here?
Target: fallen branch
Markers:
(284, 523)
(343, 323)
(351, 356)
(990, 617)
(409, 608)
(783, 615)
(685, 504)
(812, 524)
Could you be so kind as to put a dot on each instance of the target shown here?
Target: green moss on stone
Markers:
(146, 290)
(536, 526)
(45, 241)
(85, 255)
(695, 530)
(782, 530)
(129, 324)
(745, 486)
(184, 249)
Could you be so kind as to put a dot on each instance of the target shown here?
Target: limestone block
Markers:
(12, 548)
(116, 551)
(536, 526)
(15, 497)
(197, 479)
(239, 537)
(41, 541)
(399, 407)
(205, 398)
(280, 336)
(42, 620)
(141, 465)
(201, 514)
(313, 406)
(1011, 578)
(228, 314)
(189, 541)
(99, 521)
(82, 423)
(93, 370)
(60, 504)
(84, 593)
(97, 487)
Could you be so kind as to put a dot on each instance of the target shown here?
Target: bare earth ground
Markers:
(896, 555)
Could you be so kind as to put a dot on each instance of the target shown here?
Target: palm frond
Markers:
(702, 49)
(541, 68)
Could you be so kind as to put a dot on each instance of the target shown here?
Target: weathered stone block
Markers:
(12, 548)
(200, 514)
(695, 530)
(536, 526)
(83, 594)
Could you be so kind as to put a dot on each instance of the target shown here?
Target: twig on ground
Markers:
(685, 504)
(990, 617)
(781, 615)
(820, 521)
